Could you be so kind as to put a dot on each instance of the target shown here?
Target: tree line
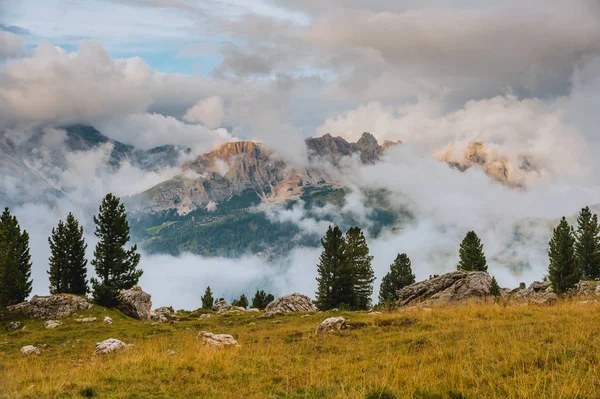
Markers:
(260, 301)
(115, 266)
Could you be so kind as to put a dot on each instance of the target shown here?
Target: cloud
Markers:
(10, 45)
(209, 112)
(513, 130)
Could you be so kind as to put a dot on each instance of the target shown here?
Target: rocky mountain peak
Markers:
(333, 148)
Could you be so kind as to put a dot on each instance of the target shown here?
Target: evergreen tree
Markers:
(495, 288)
(207, 299)
(359, 261)
(399, 276)
(67, 258)
(331, 263)
(261, 299)
(471, 254)
(562, 270)
(115, 266)
(15, 261)
(587, 244)
(242, 302)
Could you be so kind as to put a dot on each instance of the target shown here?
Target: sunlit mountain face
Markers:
(237, 132)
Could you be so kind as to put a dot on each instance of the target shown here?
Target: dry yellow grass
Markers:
(464, 352)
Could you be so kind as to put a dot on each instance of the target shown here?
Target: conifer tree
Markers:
(562, 270)
(399, 276)
(331, 263)
(67, 258)
(115, 266)
(15, 261)
(242, 302)
(495, 288)
(587, 245)
(207, 299)
(261, 299)
(471, 254)
(359, 261)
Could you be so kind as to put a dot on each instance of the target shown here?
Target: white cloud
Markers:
(209, 112)
(10, 45)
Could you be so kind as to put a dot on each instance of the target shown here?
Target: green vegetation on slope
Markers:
(460, 352)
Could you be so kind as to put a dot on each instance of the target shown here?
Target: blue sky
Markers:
(170, 39)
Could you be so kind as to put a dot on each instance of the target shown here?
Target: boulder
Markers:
(136, 303)
(220, 306)
(109, 345)
(14, 325)
(52, 324)
(50, 307)
(29, 350)
(238, 308)
(585, 288)
(538, 293)
(457, 287)
(107, 320)
(86, 320)
(204, 315)
(331, 324)
(217, 340)
(290, 303)
(158, 317)
(253, 310)
(167, 311)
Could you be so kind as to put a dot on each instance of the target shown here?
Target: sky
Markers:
(521, 77)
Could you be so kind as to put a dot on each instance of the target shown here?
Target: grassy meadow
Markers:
(475, 351)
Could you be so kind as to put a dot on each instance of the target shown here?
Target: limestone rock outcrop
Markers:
(331, 324)
(109, 345)
(538, 292)
(52, 324)
(50, 307)
(448, 289)
(289, 303)
(220, 305)
(29, 350)
(136, 303)
(217, 340)
(14, 325)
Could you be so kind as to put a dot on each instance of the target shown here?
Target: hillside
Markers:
(455, 352)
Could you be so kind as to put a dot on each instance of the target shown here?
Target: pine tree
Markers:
(471, 254)
(562, 270)
(243, 302)
(15, 261)
(67, 258)
(495, 288)
(587, 245)
(330, 264)
(115, 266)
(359, 260)
(261, 299)
(399, 276)
(207, 299)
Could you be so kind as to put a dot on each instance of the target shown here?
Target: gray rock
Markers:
(14, 325)
(451, 288)
(158, 317)
(253, 310)
(289, 303)
(50, 307)
(167, 311)
(109, 345)
(217, 340)
(29, 350)
(204, 315)
(52, 324)
(136, 303)
(220, 306)
(108, 320)
(374, 313)
(331, 324)
(86, 320)
(538, 293)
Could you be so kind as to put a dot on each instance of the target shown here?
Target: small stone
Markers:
(331, 324)
(253, 310)
(14, 325)
(276, 322)
(251, 324)
(29, 350)
(108, 320)
(306, 315)
(109, 345)
(86, 320)
(335, 310)
(172, 353)
(217, 340)
(374, 313)
(205, 315)
(52, 324)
